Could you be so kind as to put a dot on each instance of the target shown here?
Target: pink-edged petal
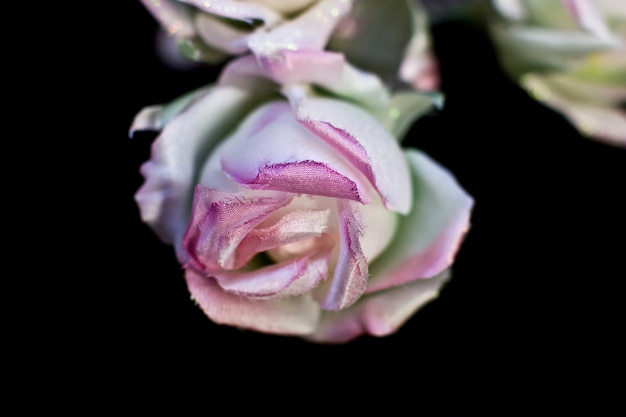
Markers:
(362, 140)
(378, 314)
(289, 316)
(428, 237)
(175, 17)
(272, 151)
(237, 10)
(300, 227)
(220, 221)
(588, 17)
(351, 273)
(286, 279)
(308, 31)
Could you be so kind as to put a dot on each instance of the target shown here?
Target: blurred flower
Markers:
(569, 55)
(389, 38)
(290, 203)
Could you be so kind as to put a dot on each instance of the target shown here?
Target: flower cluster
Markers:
(569, 55)
(283, 186)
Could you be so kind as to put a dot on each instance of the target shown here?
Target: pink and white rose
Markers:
(211, 31)
(569, 55)
(291, 204)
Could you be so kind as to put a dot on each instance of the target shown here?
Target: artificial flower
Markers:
(211, 31)
(290, 203)
(569, 55)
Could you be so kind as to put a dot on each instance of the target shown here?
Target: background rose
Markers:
(570, 55)
(211, 31)
(301, 215)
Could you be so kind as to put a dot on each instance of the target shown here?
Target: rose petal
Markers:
(300, 227)
(286, 7)
(428, 237)
(419, 67)
(308, 31)
(156, 117)
(221, 34)
(588, 16)
(310, 67)
(187, 138)
(525, 49)
(407, 106)
(237, 10)
(363, 141)
(605, 122)
(378, 314)
(220, 221)
(292, 316)
(359, 36)
(350, 277)
(328, 70)
(511, 9)
(286, 279)
(291, 158)
(175, 17)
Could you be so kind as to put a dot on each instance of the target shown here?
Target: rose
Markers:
(211, 31)
(300, 214)
(571, 56)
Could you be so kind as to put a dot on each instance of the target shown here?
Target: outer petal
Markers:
(419, 67)
(524, 49)
(429, 237)
(378, 314)
(588, 17)
(308, 31)
(237, 10)
(406, 47)
(291, 316)
(175, 17)
(362, 140)
(407, 106)
(359, 37)
(291, 159)
(592, 117)
(165, 197)
(156, 117)
(222, 35)
(328, 70)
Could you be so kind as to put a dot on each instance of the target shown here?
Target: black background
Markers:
(530, 324)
